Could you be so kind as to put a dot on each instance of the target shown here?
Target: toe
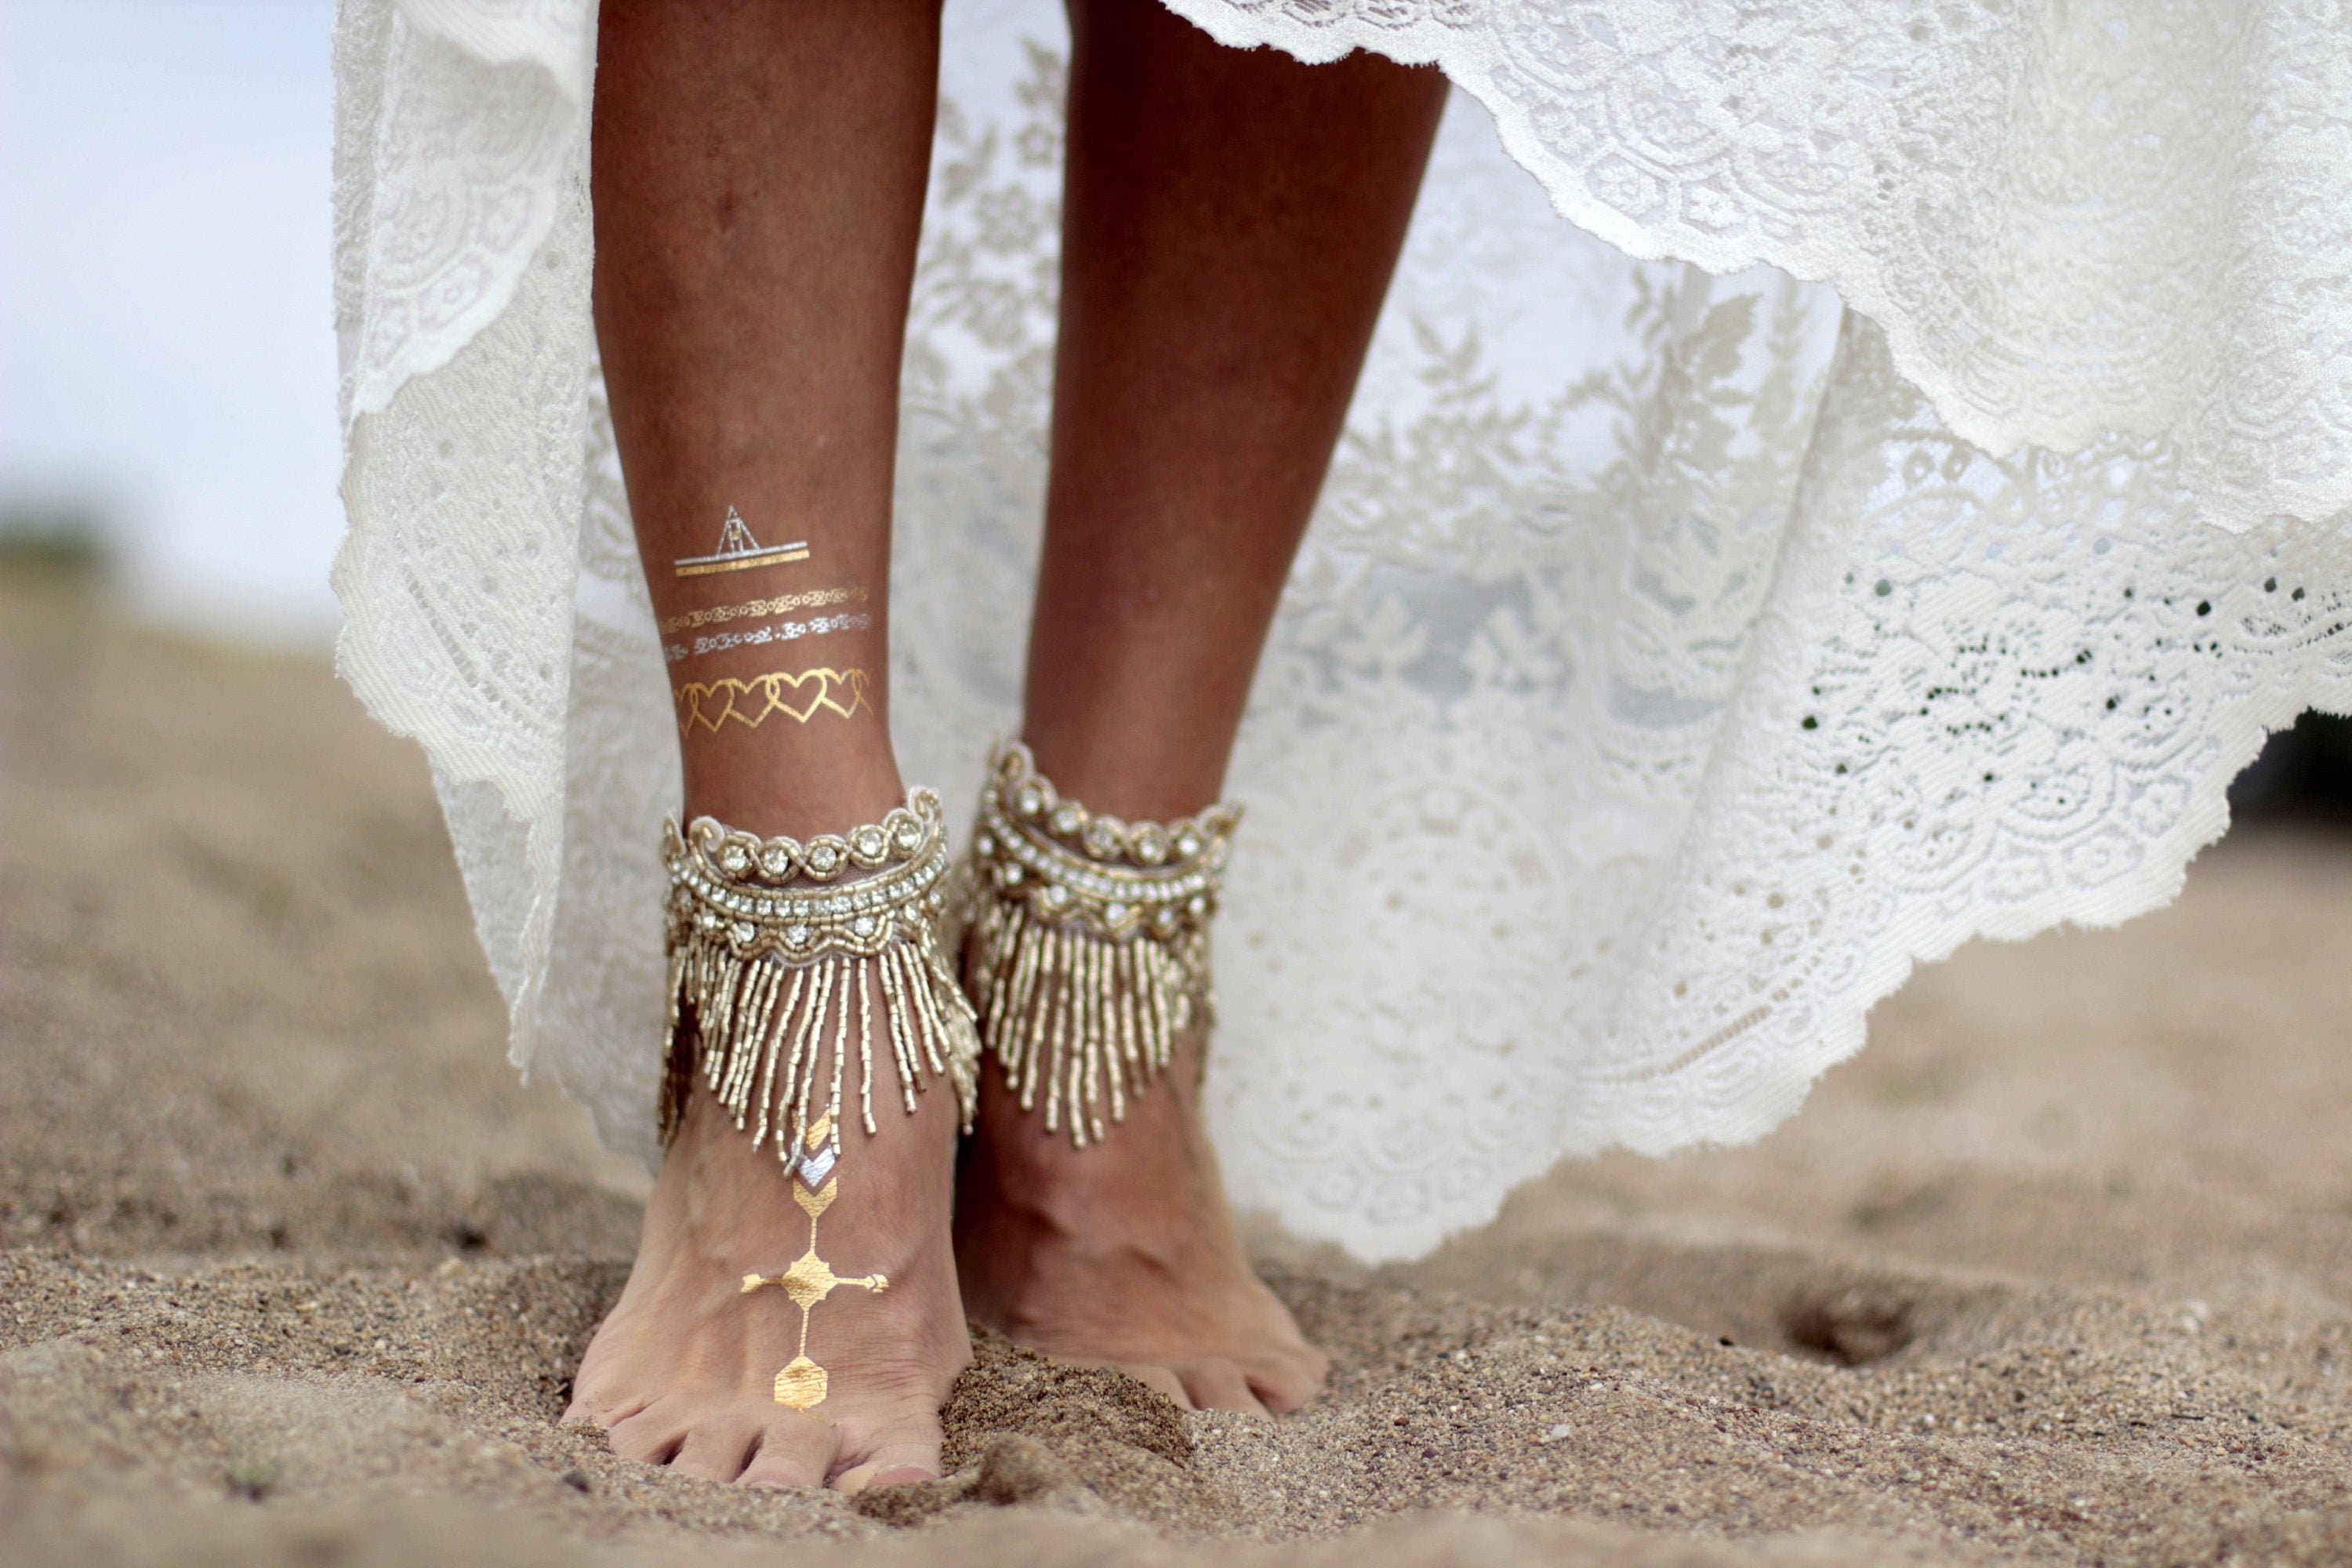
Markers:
(1281, 1386)
(794, 1451)
(1217, 1384)
(1289, 1379)
(717, 1447)
(1160, 1380)
(605, 1412)
(909, 1452)
(598, 1396)
(652, 1435)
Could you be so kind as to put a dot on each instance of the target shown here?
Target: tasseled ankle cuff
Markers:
(778, 949)
(1087, 956)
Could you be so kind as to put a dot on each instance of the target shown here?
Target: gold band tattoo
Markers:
(739, 552)
(801, 1386)
(773, 632)
(798, 695)
(782, 605)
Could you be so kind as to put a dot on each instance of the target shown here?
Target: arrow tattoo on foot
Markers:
(801, 1386)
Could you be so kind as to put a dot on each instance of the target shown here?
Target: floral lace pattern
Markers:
(1676, 659)
(2067, 220)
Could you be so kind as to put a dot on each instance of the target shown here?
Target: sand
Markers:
(293, 1270)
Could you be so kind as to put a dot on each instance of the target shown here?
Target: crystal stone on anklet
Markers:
(778, 952)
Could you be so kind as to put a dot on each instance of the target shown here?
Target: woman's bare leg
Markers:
(1231, 221)
(759, 171)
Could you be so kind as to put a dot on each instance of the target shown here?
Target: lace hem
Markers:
(1731, 680)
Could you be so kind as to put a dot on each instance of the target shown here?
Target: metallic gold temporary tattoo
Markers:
(782, 605)
(739, 552)
(797, 695)
(801, 1386)
(774, 631)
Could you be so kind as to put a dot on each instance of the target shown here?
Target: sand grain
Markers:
(292, 1270)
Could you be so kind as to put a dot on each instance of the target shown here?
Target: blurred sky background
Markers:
(167, 352)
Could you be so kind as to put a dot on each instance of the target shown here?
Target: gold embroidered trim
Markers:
(803, 1383)
(782, 605)
(710, 704)
(772, 966)
(1088, 954)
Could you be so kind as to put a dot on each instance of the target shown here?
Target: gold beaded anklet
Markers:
(1087, 954)
(778, 951)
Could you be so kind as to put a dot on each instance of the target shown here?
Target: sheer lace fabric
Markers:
(1676, 659)
(2067, 219)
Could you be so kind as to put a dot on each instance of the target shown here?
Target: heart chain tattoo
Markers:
(796, 694)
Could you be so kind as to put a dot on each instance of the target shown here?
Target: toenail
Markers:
(902, 1476)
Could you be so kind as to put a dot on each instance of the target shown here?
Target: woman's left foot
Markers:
(1124, 1253)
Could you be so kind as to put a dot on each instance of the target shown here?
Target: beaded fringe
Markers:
(764, 1034)
(1087, 1019)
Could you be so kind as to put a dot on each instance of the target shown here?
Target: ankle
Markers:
(1155, 1162)
(822, 791)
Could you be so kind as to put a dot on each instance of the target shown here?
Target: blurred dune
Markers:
(293, 1270)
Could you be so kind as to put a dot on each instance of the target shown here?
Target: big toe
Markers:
(603, 1400)
(653, 1434)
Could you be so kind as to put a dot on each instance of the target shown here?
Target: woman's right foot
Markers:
(683, 1372)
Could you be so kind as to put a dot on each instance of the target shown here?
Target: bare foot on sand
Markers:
(1124, 1252)
(683, 1373)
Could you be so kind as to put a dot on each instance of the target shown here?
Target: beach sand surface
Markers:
(293, 1270)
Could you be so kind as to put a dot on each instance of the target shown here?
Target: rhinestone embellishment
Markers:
(1088, 959)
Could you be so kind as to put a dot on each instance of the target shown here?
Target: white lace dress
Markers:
(1835, 479)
